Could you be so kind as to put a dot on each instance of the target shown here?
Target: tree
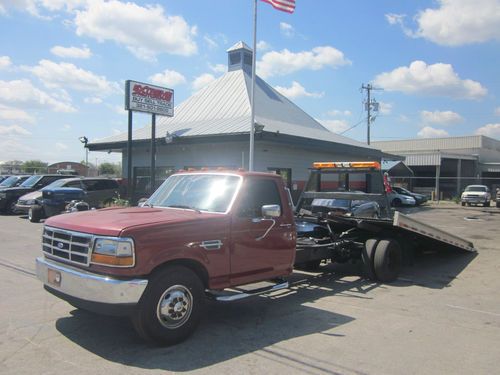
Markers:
(34, 166)
(108, 169)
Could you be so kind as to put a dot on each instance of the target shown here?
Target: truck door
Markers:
(261, 248)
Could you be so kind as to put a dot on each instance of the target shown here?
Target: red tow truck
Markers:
(208, 233)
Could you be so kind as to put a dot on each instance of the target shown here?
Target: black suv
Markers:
(9, 196)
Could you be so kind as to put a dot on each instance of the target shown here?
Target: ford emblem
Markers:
(60, 245)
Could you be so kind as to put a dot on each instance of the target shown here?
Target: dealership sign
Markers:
(144, 97)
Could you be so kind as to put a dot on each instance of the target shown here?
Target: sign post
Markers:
(143, 97)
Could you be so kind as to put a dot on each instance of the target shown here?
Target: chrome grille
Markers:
(70, 246)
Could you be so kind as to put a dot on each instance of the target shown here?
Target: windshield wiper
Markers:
(185, 207)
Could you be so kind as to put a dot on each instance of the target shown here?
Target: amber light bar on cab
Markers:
(346, 164)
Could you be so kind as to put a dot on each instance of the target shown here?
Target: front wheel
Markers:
(171, 306)
(487, 204)
(35, 214)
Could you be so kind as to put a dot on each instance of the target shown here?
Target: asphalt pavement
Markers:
(441, 316)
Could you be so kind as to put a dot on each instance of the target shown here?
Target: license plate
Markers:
(54, 277)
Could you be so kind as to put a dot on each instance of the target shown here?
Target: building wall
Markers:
(235, 155)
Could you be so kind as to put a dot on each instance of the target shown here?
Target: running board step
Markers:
(229, 296)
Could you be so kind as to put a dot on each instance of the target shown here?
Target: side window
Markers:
(257, 193)
(48, 180)
(101, 185)
(111, 184)
(74, 184)
(89, 184)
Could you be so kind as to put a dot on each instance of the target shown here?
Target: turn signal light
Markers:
(112, 260)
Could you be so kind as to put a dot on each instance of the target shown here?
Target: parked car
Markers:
(54, 201)
(356, 208)
(12, 181)
(476, 194)
(4, 177)
(396, 199)
(419, 198)
(99, 192)
(9, 196)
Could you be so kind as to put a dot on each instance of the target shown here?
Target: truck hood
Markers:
(112, 221)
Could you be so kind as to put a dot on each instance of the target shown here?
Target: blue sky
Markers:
(63, 64)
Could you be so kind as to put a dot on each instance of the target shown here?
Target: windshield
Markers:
(203, 192)
(31, 181)
(9, 182)
(475, 188)
(56, 184)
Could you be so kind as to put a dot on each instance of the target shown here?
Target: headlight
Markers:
(118, 252)
(30, 202)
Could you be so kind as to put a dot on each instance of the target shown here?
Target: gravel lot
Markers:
(441, 316)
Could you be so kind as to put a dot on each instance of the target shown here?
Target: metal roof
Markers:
(438, 144)
(223, 108)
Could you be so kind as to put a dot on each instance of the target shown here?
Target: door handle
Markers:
(285, 225)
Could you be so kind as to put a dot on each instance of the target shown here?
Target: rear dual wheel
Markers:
(382, 259)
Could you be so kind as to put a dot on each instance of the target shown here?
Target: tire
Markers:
(311, 265)
(35, 214)
(487, 204)
(463, 203)
(387, 260)
(396, 202)
(171, 306)
(10, 207)
(498, 204)
(367, 256)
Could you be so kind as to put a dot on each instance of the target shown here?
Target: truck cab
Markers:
(199, 231)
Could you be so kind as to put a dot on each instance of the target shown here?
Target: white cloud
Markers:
(286, 62)
(490, 130)
(440, 117)
(168, 78)
(497, 111)
(14, 114)
(385, 108)
(336, 126)
(93, 100)
(297, 91)
(262, 45)
(65, 75)
(459, 22)
(286, 29)
(430, 132)
(61, 146)
(145, 31)
(336, 112)
(66, 128)
(202, 81)
(71, 52)
(210, 42)
(24, 93)
(437, 79)
(218, 68)
(13, 130)
(5, 62)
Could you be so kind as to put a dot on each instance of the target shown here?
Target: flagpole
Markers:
(254, 63)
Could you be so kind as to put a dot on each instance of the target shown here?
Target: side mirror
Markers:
(271, 210)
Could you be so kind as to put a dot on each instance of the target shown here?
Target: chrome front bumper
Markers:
(89, 286)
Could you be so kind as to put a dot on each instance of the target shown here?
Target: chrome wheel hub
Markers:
(175, 306)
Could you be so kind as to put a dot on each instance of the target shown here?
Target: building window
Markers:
(285, 173)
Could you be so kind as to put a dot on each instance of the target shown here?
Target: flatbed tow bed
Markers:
(382, 242)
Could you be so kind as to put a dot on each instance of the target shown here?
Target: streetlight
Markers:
(85, 140)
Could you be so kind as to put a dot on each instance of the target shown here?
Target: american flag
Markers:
(283, 5)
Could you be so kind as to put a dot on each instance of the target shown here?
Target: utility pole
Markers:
(369, 105)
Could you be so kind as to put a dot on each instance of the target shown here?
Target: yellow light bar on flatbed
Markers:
(346, 164)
